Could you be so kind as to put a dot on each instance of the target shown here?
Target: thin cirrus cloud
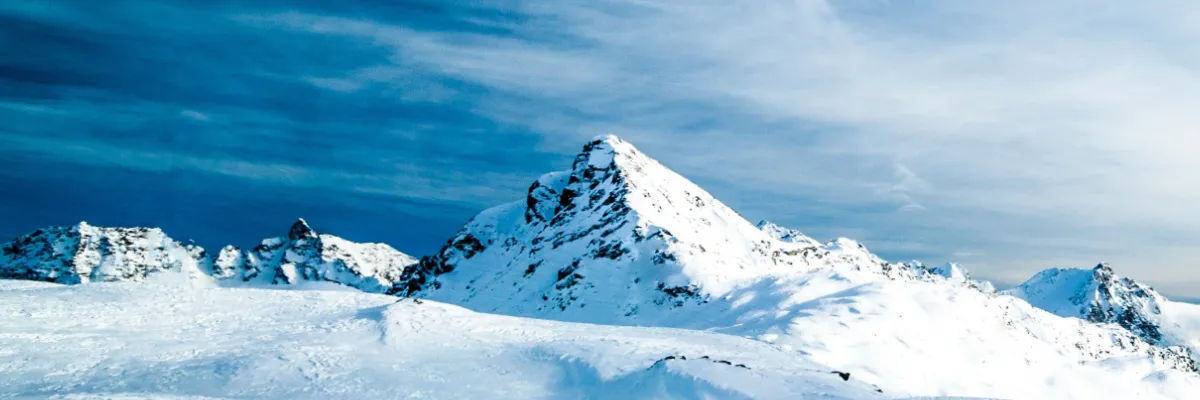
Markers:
(1011, 137)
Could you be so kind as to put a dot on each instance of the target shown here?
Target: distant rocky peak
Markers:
(301, 230)
(1098, 295)
(305, 255)
(84, 253)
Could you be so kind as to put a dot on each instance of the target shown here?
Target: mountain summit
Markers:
(305, 255)
(1097, 295)
(83, 253)
(617, 236)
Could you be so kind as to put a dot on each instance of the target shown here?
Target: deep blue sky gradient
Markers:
(109, 77)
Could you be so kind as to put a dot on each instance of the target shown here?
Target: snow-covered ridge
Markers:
(83, 253)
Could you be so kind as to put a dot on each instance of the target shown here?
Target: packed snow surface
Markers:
(157, 341)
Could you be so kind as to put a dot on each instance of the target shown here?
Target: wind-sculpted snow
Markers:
(84, 253)
(158, 341)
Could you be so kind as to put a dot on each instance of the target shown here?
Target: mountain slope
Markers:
(84, 253)
(163, 341)
(305, 255)
(893, 333)
(615, 237)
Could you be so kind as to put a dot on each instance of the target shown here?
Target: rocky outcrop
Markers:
(304, 255)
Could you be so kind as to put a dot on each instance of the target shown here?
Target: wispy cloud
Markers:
(194, 115)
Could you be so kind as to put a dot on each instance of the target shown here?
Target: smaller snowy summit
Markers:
(1097, 295)
(305, 255)
(83, 253)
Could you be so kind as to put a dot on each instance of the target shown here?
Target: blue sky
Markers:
(1008, 137)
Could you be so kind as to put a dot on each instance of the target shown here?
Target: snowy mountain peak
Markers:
(617, 236)
(305, 255)
(301, 230)
(84, 253)
(1097, 295)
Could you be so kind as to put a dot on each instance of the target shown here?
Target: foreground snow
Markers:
(168, 341)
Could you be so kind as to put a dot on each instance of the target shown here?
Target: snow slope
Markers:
(930, 338)
(163, 341)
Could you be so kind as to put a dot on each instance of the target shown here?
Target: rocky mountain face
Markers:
(616, 234)
(1097, 295)
(84, 253)
(305, 255)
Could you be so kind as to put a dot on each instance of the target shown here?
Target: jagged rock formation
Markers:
(84, 253)
(1097, 295)
(305, 255)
